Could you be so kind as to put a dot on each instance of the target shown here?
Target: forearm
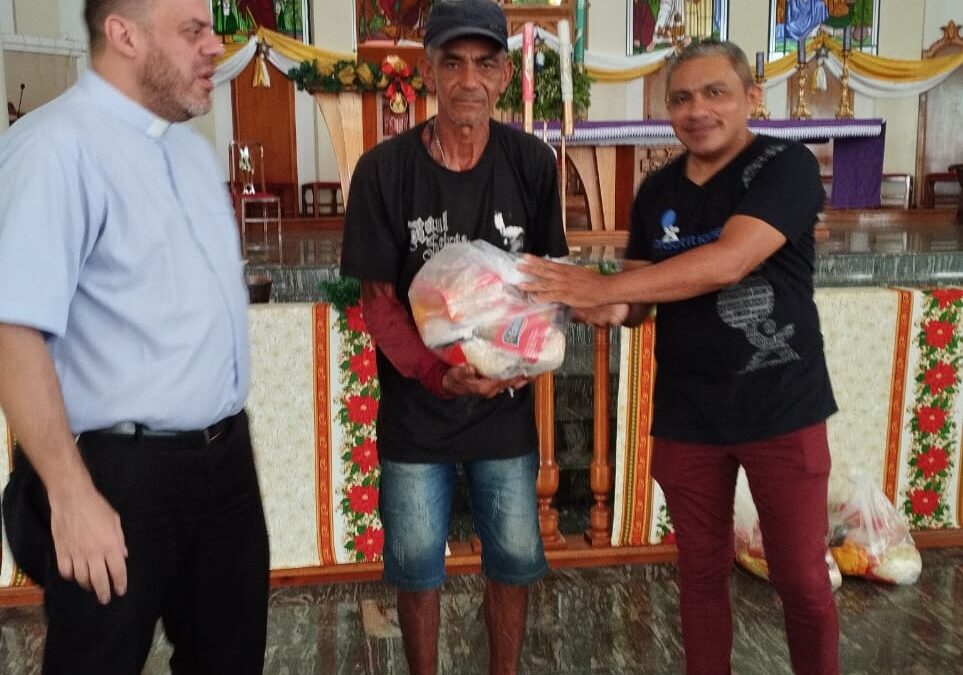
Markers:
(393, 330)
(33, 404)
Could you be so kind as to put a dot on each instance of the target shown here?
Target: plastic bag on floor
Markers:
(869, 537)
(468, 309)
(750, 553)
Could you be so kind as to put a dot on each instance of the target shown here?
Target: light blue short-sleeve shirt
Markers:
(118, 242)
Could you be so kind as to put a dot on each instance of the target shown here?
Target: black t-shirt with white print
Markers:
(404, 207)
(746, 362)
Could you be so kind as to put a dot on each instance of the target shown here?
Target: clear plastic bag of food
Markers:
(468, 309)
(750, 553)
(869, 537)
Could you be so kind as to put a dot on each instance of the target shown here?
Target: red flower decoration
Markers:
(668, 538)
(365, 455)
(939, 377)
(370, 543)
(362, 409)
(932, 461)
(363, 499)
(924, 502)
(398, 72)
(355, 317)
(938, 333)
(931, 419)
(947, 296)
(365, 366)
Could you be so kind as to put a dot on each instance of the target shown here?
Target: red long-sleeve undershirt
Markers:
(396, 335)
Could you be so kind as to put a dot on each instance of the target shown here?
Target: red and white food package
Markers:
(468, 309)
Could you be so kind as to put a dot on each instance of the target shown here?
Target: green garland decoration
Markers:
(341, 293)
(548, 86)
(351, 76)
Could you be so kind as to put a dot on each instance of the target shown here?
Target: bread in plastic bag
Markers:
(468, 309)
(870, 538)
(750, 553)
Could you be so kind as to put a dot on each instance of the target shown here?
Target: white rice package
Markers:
(468, 309)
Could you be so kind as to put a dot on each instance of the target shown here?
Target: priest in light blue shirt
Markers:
(124, 361)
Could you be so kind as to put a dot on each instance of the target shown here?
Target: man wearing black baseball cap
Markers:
(451, 19)
(458, 177)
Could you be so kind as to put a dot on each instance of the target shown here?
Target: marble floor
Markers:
(594, 621)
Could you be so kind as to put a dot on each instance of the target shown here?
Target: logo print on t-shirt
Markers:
(512, 235)
(747, 307)
(431, 234)
(671, 232)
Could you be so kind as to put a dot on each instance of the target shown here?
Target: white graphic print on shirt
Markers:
(431, 234)
(747, 306)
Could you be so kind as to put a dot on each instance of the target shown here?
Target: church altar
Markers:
(892, 356)
(610, 181)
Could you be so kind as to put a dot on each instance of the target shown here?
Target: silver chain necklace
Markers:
(437, 142)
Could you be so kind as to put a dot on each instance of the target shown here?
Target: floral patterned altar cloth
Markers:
(313, 402)
(895, 359)
(894, 356)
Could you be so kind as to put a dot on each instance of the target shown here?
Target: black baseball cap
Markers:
(450, 19)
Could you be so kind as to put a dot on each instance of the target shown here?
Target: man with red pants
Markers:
(722, 241)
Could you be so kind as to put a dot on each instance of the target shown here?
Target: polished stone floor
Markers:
(597, 621)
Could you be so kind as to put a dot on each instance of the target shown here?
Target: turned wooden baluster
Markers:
(600, 473)
(547, 484)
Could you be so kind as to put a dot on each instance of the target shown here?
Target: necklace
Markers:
(437, 142)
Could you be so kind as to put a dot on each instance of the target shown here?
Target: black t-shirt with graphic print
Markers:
(403, 208)
(744, 363)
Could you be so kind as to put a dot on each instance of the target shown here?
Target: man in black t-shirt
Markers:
(722, 241)
(459, 177)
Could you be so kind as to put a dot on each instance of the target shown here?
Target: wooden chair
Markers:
(312, 203)
(253, 204)
(933, 197)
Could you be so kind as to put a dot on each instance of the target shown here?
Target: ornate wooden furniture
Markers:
(938, 144)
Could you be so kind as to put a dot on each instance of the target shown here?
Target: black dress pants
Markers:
(197, 557)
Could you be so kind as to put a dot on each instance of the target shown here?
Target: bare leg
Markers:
(419, 614)
(506, 607)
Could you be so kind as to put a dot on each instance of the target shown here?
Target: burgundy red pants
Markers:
(788, 476)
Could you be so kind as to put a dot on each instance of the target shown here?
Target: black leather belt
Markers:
(135, 430)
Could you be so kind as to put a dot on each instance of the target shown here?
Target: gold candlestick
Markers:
(761, 112)
(801, 112)
(844, 110)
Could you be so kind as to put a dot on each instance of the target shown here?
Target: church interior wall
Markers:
(905, 29)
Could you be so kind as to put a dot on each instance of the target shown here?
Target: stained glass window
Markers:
(659, 24)
(793, 20)
(239, 18)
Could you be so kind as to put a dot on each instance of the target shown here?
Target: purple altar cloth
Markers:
(857, 147)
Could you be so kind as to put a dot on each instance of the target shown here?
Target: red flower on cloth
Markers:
(947, 296)
(365, 455)
(938, 333)
(363, 499)
(364, 365)
(355, 317)
(939, 377)
(932, 461)
(931, 419)
(924, 501)
(362, 410)
(370, 543)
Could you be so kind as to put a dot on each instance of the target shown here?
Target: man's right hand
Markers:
(464, 380)
(89, 540)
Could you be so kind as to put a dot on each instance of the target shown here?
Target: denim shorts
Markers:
(416, 502)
